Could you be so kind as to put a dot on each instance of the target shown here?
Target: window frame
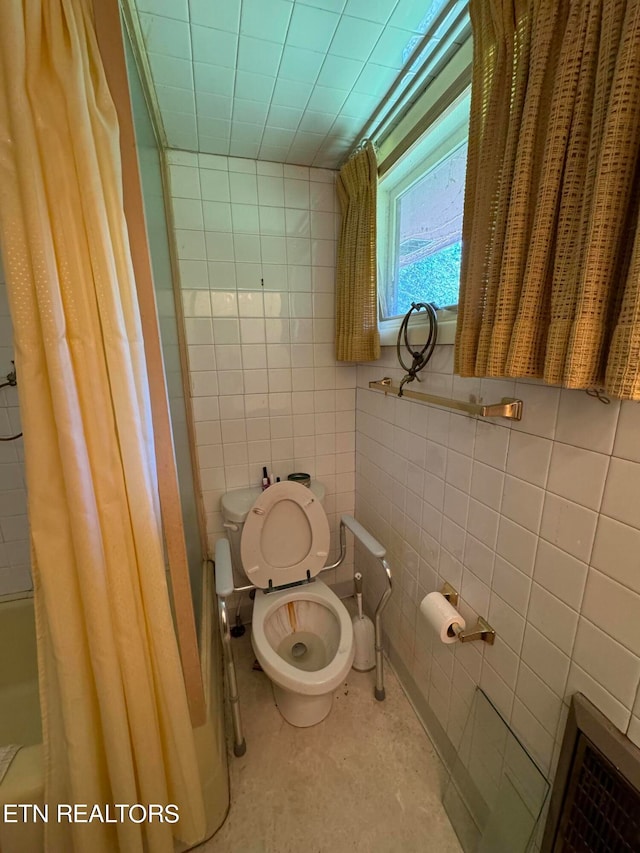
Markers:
(411, 167)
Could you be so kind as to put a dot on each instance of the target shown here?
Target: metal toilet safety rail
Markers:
(224, 587)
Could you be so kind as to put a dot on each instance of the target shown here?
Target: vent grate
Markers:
(603, 811)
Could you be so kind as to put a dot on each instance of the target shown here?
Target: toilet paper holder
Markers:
(481, 631)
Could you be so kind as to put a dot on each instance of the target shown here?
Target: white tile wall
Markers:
(535, 523)
(256, 252)
(15, 573)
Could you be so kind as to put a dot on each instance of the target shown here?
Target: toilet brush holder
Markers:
(364, 658)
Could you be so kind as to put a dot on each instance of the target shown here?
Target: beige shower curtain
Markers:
(115, 717)
(551, 238)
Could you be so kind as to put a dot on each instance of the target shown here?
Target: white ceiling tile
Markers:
(358, 105)
(266, 19)
(330, 5)
(371, 10)
(218, 127)
(375, 79)
(355, 38)
(246, 132)
(284, 117)
(180, 129)
(213, 106)
(174, 121)
(271, 152)
(172, 99)
(213, 79)
(336, 146)
(184, 138)
(260, 57)
(300, 64)
(166, 35)
(222, 16)
(277, 136)
(339, 72)
(246, 149)
(316, 122)
(253, 112)
(291, 93)
(167, 8)
(389, 50)
(170, 71)
(212, 145)
(254, 87)
(300, 158)
(412, 14)
(308, 140)
(322, 160)
(265, 62)
(312, 28)
(215, 47)
(347, 127)
(324, 99)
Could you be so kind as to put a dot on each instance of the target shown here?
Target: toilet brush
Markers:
(363, 634)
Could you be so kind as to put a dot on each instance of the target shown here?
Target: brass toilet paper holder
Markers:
(481, 631)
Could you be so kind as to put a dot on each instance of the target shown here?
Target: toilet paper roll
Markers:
(441, 615)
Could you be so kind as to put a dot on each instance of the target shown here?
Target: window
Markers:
(420, 207)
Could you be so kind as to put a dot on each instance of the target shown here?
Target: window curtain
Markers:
(550, 282)
(357, 336)
(116, 724)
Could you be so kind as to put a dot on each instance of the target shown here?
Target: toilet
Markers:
(302, 634)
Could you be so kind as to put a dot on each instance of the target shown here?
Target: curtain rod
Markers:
(451, 93)
(426, 38)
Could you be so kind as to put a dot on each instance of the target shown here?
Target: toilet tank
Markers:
(235, 507)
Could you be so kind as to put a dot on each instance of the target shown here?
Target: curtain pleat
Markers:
(357, 336)
(116, 724)
(549, 284)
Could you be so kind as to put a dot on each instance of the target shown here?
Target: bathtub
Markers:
(20, 721)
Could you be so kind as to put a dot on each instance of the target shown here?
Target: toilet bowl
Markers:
(302, 634)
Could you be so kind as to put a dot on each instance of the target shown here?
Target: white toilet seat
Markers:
(281, 672)
(286, 536)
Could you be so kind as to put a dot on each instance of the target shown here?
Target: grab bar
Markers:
(378, 551)
(223, 576)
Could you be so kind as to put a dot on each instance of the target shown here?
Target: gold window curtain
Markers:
(550, 282)
(357, 336)
(116, 725)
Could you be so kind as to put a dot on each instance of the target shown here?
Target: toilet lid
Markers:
(285, 535)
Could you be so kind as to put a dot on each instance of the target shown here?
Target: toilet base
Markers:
(300, 709)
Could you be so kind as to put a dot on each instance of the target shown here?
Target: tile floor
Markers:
(365, 779)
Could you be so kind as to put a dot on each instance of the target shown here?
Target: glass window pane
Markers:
(429, 217)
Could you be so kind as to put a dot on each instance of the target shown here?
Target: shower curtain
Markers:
(115, 717)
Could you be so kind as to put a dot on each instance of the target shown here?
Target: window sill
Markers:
(418, 329)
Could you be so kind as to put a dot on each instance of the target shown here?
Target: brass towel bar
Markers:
(508, 408)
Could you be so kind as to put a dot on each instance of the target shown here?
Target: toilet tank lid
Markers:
(235, 505)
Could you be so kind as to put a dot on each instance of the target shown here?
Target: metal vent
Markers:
(603, 815)
(595, 802)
